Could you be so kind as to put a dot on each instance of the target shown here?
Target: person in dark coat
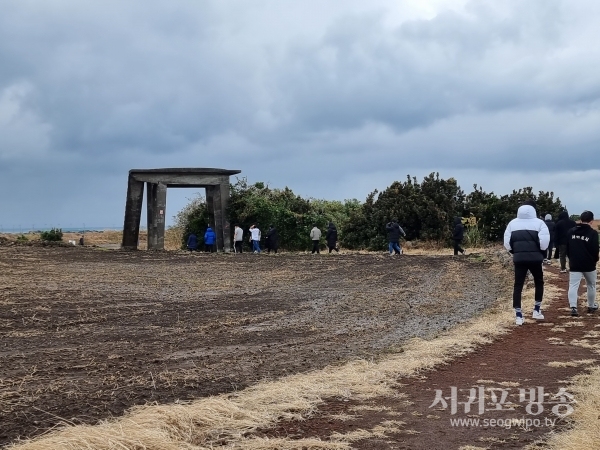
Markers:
(561, 237)
(551, 228)
(331, 237)
(272, 241)
(394, 231)
(458, 235)
(192, 242)
(209, 239)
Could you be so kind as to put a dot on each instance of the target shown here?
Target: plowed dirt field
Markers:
(87, 333)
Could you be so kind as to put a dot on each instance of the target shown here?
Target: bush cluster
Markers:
(426, 210)
(54, 235)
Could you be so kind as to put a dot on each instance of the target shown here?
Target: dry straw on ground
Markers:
(226, 420)
(585, 433)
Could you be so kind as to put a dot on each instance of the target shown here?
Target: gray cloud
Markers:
(309, 94)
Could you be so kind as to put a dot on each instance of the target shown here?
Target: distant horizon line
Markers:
(13, 230)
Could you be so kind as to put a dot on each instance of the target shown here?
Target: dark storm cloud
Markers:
(289, 92)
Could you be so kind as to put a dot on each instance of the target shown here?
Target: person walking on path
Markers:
(315, 237)
(272, 239)
(527, 237)
(331, 238)
(394, 232)
(564, 224)
(458, 235)
(238, 239)
(209, 240)
(583, 253)
(192, 242)
(255, 237)
(551, 228)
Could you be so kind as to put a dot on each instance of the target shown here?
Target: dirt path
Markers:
(529, 357)
(86, 334)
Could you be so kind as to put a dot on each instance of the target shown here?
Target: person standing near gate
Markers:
(315, 237)
(582, 250)
(192, 242)
(238, 238)
(527, 238)
(272, 240)
(255, 236)
(209, 240)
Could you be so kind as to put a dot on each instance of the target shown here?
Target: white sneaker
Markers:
(537, 315)
(519, 321)
(563, 271)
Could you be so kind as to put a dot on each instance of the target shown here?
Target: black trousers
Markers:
(521, 270)
(315, 247)
(208, 248)
(332, 247)
(562, 250)
(457, 247)
(238, 246)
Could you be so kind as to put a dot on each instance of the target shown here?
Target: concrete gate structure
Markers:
(215, 181)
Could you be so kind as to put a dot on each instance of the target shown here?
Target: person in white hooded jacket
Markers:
(527, 238)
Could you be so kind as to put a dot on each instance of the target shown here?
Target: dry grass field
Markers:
(108, 238)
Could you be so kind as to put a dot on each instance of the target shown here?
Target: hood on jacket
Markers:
(548, 217)
(209, 229)
(563, 215)
(331, 225)
(526, 212)
(457, 220)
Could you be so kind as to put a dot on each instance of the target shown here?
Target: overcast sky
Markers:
(331, 98)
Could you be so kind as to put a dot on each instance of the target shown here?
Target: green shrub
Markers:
(54, 235)
(22, 238)
(474, 237)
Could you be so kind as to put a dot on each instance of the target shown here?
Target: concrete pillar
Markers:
(156, 203)
(218, 207)
(210, 206)
(224, 188)
(133, 214)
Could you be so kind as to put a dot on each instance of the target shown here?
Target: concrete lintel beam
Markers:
(181, 180)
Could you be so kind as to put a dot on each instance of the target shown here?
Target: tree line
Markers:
(426, 210)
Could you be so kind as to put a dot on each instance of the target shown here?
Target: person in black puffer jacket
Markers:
(561, 237)
(458, 235)
(527, 238)
(551, 228)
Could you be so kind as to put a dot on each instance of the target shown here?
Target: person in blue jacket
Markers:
(192, 242)
(209, 240)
